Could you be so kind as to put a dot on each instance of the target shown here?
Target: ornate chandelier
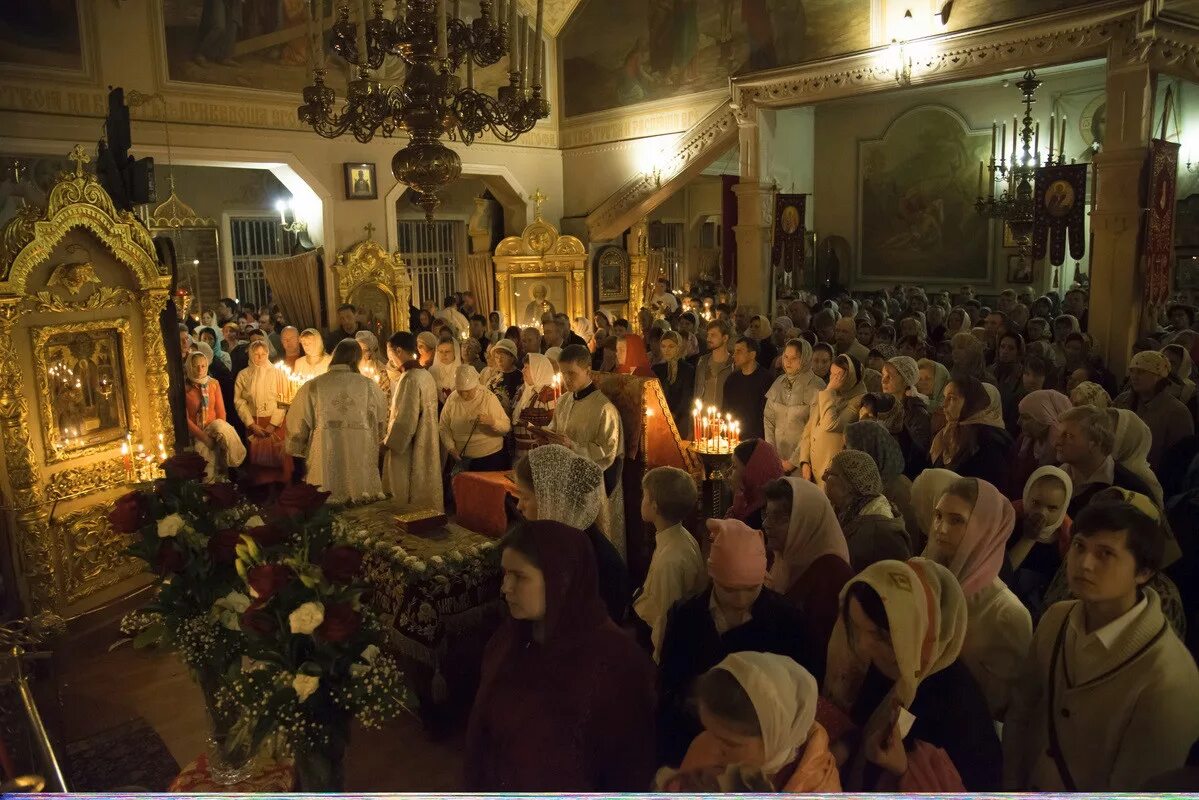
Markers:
(430, 101)
(1016, 170)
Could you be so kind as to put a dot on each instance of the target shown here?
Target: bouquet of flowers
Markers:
(187, 532)
(313, 661)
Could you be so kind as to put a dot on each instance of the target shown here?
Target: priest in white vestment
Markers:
(586, 422)
(336, 422)
(412, 457)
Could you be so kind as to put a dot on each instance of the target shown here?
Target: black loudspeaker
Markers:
(142, 188)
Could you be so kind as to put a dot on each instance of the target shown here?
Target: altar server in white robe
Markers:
(586, 422)
(412, 457)
(336, 422)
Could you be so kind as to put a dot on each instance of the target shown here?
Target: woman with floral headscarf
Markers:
(566, 699)
(555, 483)
(534, 408)
(894, 657)
(972, 523)
(759, 715)
(1089, 393)
(873, 439)
(874, 528)
(835, 408)
(907, 417)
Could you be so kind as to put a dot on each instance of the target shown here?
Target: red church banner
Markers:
(1159, 231)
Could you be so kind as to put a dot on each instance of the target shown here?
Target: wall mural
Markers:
(261, 44)
(972, 13)
(41, 33)
(620, 52)
(917, 189)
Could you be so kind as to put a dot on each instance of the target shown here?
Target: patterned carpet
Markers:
(130, 756)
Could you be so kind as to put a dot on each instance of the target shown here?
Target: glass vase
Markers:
(229, 762)
(321, 769)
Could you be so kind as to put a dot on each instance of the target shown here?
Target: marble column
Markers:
(755, 197)
(1117, 287)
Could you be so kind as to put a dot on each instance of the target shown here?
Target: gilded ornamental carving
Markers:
(377, 281)
(539, 272)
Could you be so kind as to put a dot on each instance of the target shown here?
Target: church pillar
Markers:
(1117, 287)
(754, 200)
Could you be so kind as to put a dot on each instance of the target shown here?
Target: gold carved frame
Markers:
(541, 252)
(369, 264)
(41, 336)
(65, 559)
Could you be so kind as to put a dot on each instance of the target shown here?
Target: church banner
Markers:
(787, 254)
(1059, 210)
(1159, 231)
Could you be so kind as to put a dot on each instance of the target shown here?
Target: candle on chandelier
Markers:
(362, 32)
(1052, 125)
(311, 22)
(1062, 147)
(524, 53)
(1003, 145)
(994, 128)
(536, 47)
(513, 39)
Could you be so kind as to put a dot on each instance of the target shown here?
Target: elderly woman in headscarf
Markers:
(895, 656)
(1037, 443)
(1063, 326)
(905, 413)
(755, 463)
(677, 377)
(213, 437)
(632, 357)
(934, 377)
(974, 442)
(873, 527)
(835, 408)
(555, 483)
(972, 523)
(534, 408)
(1180, 372)
(1149, 395)
(811, 558)
(373, 364)
(210, 335)
(1131, 448)
(759, 715)
(789, 401)
(473, 425)
(566, 699)
(1089, 393)
(958, 321)
(426, 348)
(873, 439)
(1040, 537)
(760, 330)
(256, 399)
(444, 368)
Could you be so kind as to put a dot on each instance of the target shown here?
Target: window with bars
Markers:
(671, 246)
(431, 251)
(252, 239)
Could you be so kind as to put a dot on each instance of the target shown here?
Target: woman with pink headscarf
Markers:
(1036, 447)
(972, 522)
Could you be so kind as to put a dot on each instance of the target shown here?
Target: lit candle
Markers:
(993, 129)
(1062, 147)
(1014, 139)
(1002, 140)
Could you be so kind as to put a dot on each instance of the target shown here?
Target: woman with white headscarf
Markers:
(473, 425)
(444, 369)
(759, 715)
(256, 399)
(555, 483)
(534, 408)
(893, 656)
(1131, 449)
(373, 365)
(1040, 537)
(315, 360)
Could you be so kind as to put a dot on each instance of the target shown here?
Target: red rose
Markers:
(341, 564)
(300, 498)
(255, 620)
(222, 547)
(221, 495)
(169, 559)
(267, 535)
(185, 467)
(341, 622)
(267, 579)
(130, 513)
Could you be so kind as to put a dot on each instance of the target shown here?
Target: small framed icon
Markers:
(360, 181)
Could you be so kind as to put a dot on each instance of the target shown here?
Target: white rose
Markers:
(234, 601)
(370, 653)
(306, 618)
(170, 526)
(255, 522)
(305, 685)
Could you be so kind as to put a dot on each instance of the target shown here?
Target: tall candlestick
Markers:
(537, 42)
(443, 45)
(524, 53)
(1052, 125)
(994, 127)
(362, 57)
(980, 179)
(513, 38)
(1003, 146)
(1015, 139)
(1062, 147)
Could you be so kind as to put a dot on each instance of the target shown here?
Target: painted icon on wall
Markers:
(360, 181)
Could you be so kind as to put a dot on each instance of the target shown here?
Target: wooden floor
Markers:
(99, 690)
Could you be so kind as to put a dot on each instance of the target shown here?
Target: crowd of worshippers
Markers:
(961, 554)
